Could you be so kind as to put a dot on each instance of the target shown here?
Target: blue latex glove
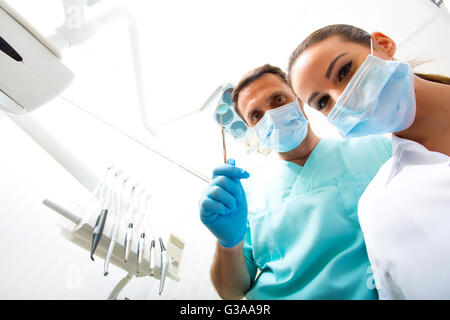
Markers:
(223, 206)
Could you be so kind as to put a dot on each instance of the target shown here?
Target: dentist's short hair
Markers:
(253, 75)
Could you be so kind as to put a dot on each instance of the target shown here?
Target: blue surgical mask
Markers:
(378, 99)
(282, 129)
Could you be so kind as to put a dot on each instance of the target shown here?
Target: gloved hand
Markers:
(223, 205)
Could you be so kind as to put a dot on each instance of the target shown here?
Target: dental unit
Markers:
(32, 75)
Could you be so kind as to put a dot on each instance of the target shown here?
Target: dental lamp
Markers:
(31, 70)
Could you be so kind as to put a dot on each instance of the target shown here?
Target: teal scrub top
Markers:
(303, 234)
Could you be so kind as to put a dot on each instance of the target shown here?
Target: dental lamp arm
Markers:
(57, 149)
(78, 28)
(119, 12)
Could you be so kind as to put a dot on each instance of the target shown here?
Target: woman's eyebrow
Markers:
(327, 75)
(331, 66)
(311, 98)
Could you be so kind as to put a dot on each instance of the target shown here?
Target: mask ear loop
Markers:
(300, 109)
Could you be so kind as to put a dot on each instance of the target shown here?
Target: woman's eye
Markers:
(344, 71)
(322, 103)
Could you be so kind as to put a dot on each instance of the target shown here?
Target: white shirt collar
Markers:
(407, 152)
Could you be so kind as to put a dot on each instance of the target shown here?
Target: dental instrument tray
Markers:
(112, 226)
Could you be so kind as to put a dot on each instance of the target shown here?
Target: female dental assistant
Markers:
(352, 78)
(297, 221)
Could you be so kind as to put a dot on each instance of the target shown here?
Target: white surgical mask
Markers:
(282, 129)
(378, 99)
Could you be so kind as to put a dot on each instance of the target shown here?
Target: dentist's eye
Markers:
(322, 103)
(279, 100)
(255, 117)
(344, 71)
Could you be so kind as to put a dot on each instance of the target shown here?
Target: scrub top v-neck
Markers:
(303, 232)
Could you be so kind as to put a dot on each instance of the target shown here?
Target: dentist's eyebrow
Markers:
(331, 66)
(267, 100)
(274, 95)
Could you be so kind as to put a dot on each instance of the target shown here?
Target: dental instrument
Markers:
(142, 227)
(116, 220)
(129, 233)
(164, 266)
(98, 231)
(141, 246)
(152, 257)
(101, 219)
(98, 191)
(221, 110)
(128, 239)
(133, 208)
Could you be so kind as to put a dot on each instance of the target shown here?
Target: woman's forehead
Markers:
(308, 70)
(321, 52)
(312, 65)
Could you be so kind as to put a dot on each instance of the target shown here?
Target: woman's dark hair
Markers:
(347, 33)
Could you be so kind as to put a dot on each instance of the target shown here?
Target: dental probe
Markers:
(141, 246)
(152, 250)
(152, 257)
(221, 110)
(223, 141)
(141, 243)
(115, 227)
(100, 223)
(134, 206)
(164, 266)
(129, 234)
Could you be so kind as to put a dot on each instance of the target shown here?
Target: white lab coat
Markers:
(405, 217)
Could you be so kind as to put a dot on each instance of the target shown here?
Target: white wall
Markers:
(189, 48)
